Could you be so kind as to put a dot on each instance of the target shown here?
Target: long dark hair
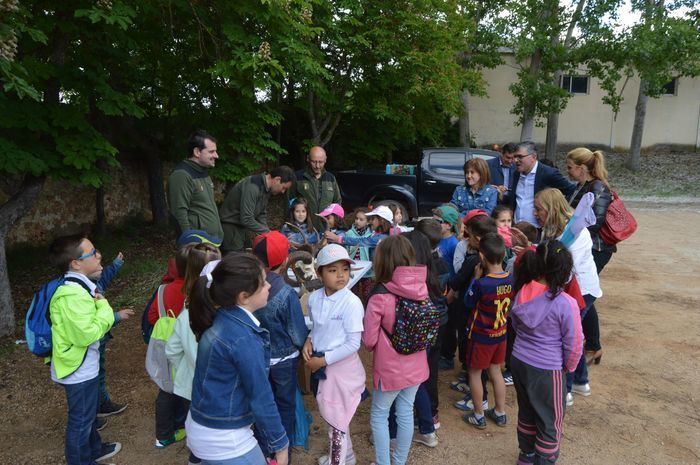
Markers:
(552, 261)
(235, 273)
(302, 201)
(424, 256)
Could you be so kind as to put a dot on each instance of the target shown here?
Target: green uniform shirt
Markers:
(191, 199)
(244, 212)
(319, 193)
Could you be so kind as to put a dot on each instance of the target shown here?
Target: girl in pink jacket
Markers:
(395, 377)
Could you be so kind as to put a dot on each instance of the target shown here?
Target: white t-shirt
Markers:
(90, 367)
(584, 266)
(218, 444)
(333, 318)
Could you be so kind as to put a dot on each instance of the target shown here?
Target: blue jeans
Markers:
(253, 457)
(283, 380)
(580, 375)
(83, 443)
(379, 420)
(424, 413)
(103, 395)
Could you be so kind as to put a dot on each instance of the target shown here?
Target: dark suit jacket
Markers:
(545, 177)
(497, 177)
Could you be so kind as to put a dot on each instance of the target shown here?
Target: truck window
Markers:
(483, 156)
(447, 163)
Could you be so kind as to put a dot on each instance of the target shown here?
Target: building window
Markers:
(575, 84)
(670, 88)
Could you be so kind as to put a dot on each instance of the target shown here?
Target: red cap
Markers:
(272, 248)
(472, 213)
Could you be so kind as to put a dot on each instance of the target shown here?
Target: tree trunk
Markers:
(464, 130)
(529, 107)
(156, 190)
(640, 112)
(550, 146)
(11, 211)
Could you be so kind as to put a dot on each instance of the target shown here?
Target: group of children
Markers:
(240, 332)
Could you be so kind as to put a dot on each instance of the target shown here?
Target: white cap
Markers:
(333, 253)
(383, 212)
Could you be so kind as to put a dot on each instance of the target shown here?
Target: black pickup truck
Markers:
(423, 187)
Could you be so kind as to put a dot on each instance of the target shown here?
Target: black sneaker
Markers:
(108, 408)
(109, 449)
(101, 423)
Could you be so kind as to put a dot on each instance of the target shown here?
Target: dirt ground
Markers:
(645, 406)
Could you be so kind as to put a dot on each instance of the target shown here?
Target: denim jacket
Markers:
(230, 388)
(484, 199)
(311, 237)
(283, 318)
(108, 274)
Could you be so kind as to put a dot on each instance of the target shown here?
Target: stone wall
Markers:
(64, 208)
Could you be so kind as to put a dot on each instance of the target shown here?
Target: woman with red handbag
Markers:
(588, 170)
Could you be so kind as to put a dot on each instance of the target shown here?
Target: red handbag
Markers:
(619, 222)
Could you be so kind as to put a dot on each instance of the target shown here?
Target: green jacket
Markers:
(319, 193)
(244, 211)
(191, 199)
(77, 320)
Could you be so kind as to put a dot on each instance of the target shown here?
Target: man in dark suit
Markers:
(531, 177)
(501, 170)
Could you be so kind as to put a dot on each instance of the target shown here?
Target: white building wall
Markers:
(670, 119)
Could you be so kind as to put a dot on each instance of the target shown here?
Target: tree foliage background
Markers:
(87, 83)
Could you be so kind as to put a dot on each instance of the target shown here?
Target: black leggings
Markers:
(590, 323)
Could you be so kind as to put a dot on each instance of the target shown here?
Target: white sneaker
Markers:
(569, 400)
(349, 460)
(582, 389)
(429, 439)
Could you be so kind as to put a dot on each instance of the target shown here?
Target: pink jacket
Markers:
(395, 371)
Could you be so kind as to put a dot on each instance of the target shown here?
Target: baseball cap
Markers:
(272, 248)
(383, 212)
(333, 208)
(449, 213)
(332, 253)
(473, 213)
(197, 236)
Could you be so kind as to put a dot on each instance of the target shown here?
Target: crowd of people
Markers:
(504, 277)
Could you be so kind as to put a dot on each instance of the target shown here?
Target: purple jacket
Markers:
(548, 331)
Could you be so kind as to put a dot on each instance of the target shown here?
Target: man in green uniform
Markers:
(191, 190)
(316, 185)
(244, 211)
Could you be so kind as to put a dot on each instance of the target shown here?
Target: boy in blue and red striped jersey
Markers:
(488, 300)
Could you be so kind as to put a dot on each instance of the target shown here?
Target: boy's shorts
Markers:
(480, 356)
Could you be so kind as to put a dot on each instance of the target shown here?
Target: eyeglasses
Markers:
(88, 255)
(520, 157)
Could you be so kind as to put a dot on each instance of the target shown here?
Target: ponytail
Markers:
(598, 170)
(235, 273)
(594, 161)
(552, 262)
(527, 269)
(201, 307)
